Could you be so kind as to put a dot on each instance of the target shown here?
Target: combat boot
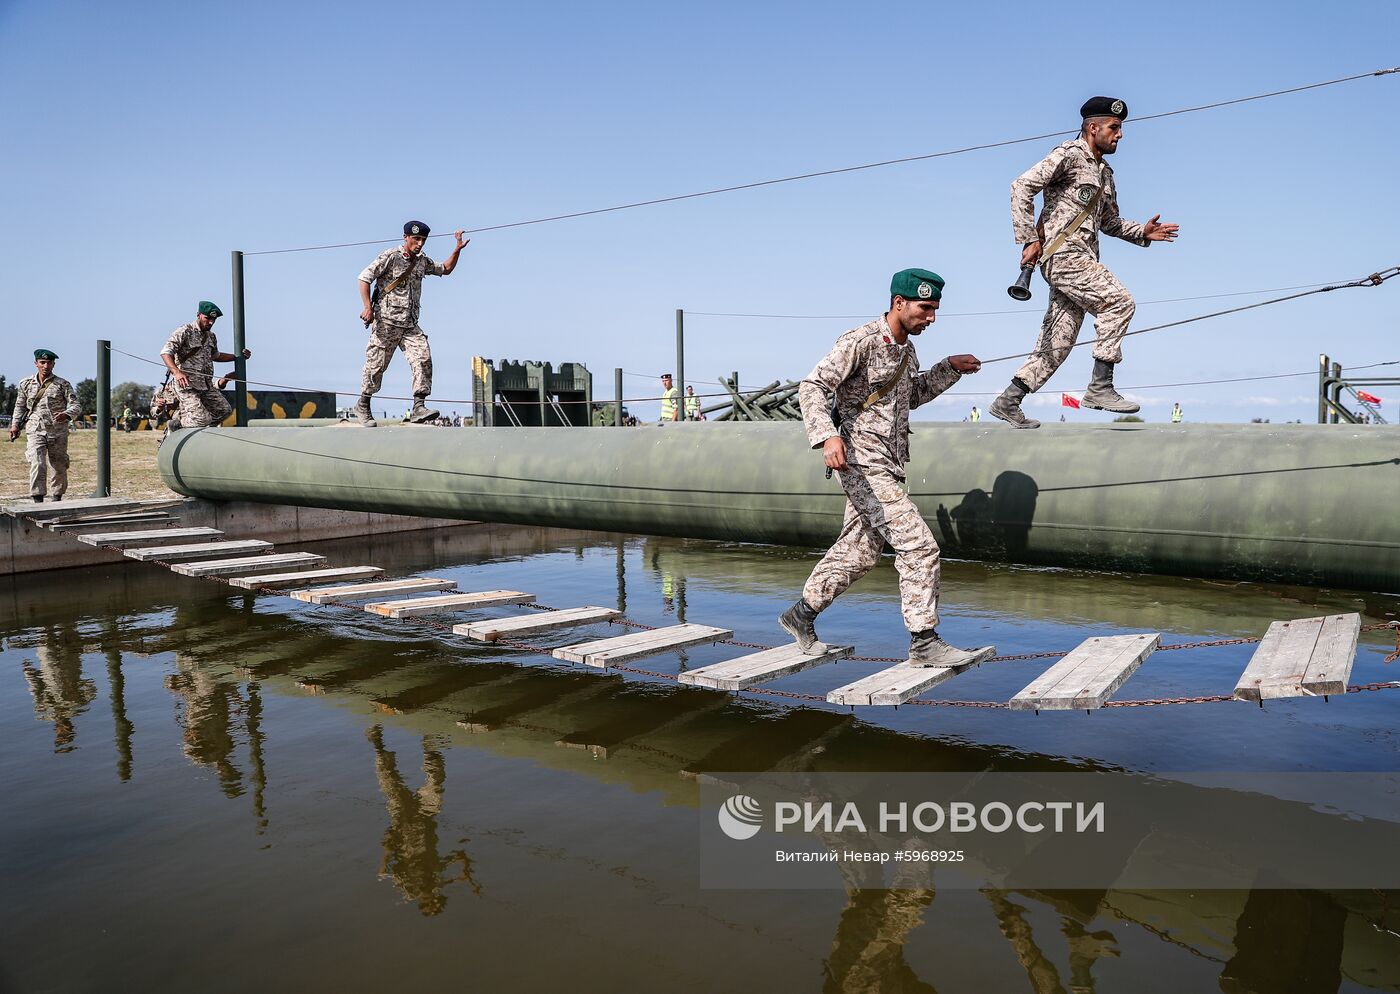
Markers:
(798, 621)
(927, 649)
(39, 499)
(363, 415)
(1100, 394)
(1008, 406)
(422, 413)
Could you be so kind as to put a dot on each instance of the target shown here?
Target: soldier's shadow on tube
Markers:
(991, 526)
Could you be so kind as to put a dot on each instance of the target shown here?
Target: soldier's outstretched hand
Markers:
(461, 242)
(1154, 231)
(965, 363)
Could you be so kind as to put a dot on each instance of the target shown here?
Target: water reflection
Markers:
(411, 856)
(232, 665)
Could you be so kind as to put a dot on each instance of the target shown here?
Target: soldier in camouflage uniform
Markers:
(1078, 186)
(397, 276)
(874, 373)
(190, 354)
(44, 407)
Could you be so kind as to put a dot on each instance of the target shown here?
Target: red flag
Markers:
(1067, 401)
(1369, 398)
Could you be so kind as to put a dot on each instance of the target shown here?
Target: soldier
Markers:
(874, 373)
(190, 354)
(397, 275)
(670, 400)
(1080, 201)
(44, 406)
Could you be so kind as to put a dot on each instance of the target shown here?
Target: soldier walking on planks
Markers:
(190, 354)
(44, 407)
(1080, 201)
(874, 374)
(397, 276)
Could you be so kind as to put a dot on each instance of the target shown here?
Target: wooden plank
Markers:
(1301, 658)
(368, 591)
(147, 537)
(903, 682)
(1088, 675)
(306, 579)
(520, 624)
(1329, 669)
(414, 606)
(760, 667)
(640, 644)
(107, 523)
(246, 565)
(66, 508)
(201, 550)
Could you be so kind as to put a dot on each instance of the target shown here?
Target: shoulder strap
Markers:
(1073, 226)
(883, 391)
(400, 279)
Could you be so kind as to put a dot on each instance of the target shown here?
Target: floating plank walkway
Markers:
(368, 591)
(902, 682)
(760, 667)
(107, 522)
(306, 579)
(1086, 677)
(414, 606)
(522, 624)
(1306, 657)
(640, 644)
(154, 535)
(247, 565)
(201, 550)
(69, 508)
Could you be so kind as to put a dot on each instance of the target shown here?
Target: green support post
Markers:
(240, 365)
(617, 404)
(680, 364)
(104, 419)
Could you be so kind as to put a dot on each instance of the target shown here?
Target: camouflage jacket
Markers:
(399, 308)
(194, 351)
(1069, 175)
(57, 399)
(861, 362)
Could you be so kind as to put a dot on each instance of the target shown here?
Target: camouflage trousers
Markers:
(383, 339)
(1079, 284)
(879, 512)
(203, 406)
(47, 456)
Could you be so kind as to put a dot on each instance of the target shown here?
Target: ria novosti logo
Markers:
(741, 817)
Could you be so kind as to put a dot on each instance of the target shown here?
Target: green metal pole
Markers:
(617, 391)
(104, 419)
(240, 365)
(1322, 362)
(680, 363)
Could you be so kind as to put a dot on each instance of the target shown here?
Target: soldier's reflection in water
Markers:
(210, 705)
(867, 953)
(411, 840)
(58, 687)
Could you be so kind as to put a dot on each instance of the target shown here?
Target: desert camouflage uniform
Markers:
(201, 403)
(46, 439)
(1079, 283)
(396, 319)
(878, 511)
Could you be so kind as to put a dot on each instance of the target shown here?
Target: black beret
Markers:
(416, 228)
(1104, 107)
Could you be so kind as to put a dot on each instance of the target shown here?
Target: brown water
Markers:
(214, 792)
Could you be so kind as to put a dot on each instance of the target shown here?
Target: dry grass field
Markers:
(134, 472)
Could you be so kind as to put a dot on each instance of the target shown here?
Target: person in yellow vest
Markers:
(1176, 414)
(976, 415)
(670, 400)
(692, 406)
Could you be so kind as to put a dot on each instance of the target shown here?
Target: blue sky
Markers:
(146, 141)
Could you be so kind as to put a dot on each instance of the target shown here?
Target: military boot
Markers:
(38, 498)
(927, 649)
(1100, 394)
(363, 415)
(422, 413)
(798, 621)
(1008, 406)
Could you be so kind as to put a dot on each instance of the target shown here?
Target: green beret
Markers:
(44, 354)
(917, 284)
(210, 309)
